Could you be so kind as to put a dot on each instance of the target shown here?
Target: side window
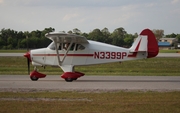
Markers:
(66, 45)
(72, 47)
(79, 47)
(59, 46)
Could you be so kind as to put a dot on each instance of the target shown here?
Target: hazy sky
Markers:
(87, 15)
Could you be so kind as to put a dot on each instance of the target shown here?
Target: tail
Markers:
(146, 42)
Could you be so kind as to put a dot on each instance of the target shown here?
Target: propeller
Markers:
(28, 56)
(28, 62)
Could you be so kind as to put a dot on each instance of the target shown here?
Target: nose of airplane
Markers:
(27, 55)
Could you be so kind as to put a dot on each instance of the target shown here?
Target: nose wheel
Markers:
(35, 75)
(34, 78)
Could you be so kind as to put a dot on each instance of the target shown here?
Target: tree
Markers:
(10, 39)
(85, 34)
(23, 43)
(76, 31)
(128, 40)
(10, 42)
(70, 32)
(96, 35)
(6, 34)
(46, 30)
(106, 35)
(118, 36)
(178, 38)
(105, 32)
(159, 33)
(171, 35)
(1, 42)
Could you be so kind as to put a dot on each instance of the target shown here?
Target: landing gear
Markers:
(34, 78)
(70, 76)
(35, 75)
(69, 79)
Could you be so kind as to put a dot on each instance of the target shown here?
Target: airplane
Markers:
(69, 50)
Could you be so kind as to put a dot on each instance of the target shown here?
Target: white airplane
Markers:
(70, 50)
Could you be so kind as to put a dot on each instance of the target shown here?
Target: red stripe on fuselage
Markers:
(84, 55)
(133, 55)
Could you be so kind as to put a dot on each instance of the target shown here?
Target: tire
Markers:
(34, 78)
(69, 79)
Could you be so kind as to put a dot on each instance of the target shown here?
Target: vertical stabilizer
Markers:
(153, 48)
(146, 42)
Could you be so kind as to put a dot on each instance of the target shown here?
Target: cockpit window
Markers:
(79, 47)
(62, 46)
(52, 46)
(66, 45)
(59, 46)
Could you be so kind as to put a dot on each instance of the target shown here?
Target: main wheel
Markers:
(69, 79)
(34, 78)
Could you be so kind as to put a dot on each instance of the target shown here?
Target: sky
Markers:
(87, 15)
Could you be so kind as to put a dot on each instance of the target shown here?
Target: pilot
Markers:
(66, 46)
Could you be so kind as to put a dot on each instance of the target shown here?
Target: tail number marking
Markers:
(109, 55)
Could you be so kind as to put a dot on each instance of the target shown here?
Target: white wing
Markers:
(66, 38)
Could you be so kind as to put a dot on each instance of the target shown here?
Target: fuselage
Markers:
(81, 54)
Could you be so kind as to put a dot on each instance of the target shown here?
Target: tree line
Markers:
(11, 39)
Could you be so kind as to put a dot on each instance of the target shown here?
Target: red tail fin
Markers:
(153, 48)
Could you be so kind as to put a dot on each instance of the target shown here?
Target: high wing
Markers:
(66, 38)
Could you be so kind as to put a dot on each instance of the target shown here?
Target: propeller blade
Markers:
(28, 63)
(27, 55)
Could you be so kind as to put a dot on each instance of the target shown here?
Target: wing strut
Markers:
(58, 57)
(66, 52)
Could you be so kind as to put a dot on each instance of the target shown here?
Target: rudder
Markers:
(153, 48)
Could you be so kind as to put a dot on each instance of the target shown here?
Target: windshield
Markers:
(74, 47)
(51, 46)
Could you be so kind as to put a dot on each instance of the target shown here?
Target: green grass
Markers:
(170, 51)
(13, 51)
(146, 67)
(86, 102)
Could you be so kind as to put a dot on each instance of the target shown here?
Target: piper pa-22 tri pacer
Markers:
(70, 50)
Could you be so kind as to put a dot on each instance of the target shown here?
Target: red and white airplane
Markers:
(70, 50)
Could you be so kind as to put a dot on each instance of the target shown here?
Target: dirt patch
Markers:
(45, 99)
(81, 91)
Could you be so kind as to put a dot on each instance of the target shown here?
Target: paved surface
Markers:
(168, 55)
(159, 55)
(91, 83)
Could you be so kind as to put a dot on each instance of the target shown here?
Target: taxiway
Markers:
(91, 83)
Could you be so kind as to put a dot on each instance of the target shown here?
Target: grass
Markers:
(88, 102)
(170, 51)
(147, 67)
(13, 51)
